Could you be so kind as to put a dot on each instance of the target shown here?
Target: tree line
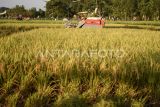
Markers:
(20, 10)
(111, 9)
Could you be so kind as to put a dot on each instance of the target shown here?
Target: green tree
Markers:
(156, 9)
(146, 9)
(57, 8)
(18, 10)
(33, 12)
(41, 13)
(122, 9)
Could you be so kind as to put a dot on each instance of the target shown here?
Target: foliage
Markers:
(57, 8)
(118, 9)
(20, 10)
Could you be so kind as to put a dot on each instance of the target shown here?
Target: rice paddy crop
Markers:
(153, 23)
(96, 67)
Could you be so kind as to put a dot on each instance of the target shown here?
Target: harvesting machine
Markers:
(88, 22)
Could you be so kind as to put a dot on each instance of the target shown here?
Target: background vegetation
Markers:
(117, 9)
(20, 10)
(111, 9)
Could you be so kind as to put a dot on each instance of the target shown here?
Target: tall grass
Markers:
(5, 21)
(30, 80)
(152, 23)
(10, 28)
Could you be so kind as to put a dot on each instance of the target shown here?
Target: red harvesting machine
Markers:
(94, 22)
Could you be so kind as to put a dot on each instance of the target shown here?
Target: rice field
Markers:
(49, 66)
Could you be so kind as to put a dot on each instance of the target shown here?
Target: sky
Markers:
(39, 4)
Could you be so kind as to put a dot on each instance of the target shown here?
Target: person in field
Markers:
(81, 23)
